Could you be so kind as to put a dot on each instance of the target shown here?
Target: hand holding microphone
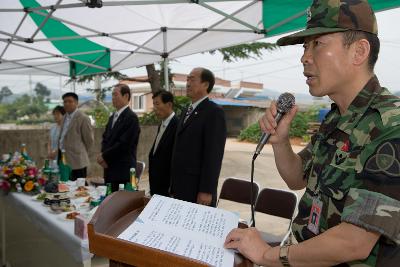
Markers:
(273, 116)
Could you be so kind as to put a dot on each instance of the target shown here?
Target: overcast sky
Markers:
(279, 70)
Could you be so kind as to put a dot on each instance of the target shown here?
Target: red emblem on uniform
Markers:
(346, 146)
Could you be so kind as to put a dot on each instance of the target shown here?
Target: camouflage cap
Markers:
(328, 16)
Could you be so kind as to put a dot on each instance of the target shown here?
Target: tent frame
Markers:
(48, 13)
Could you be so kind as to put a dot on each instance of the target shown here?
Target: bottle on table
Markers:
(121, 187)
(46, 165)
(18, 187)
(133, 179)
(24, 152)
(109, 189)
(63, 168)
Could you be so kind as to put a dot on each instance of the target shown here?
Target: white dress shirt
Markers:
(163, 126)
(117, 114)
(67, 122)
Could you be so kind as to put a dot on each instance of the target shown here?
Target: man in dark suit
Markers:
(120, 140)
(199, 144)
(161, 151)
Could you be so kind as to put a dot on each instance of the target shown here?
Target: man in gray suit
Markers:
(76, 136)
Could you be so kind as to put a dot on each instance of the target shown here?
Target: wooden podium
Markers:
(112, 217)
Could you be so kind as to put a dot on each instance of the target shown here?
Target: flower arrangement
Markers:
(18, 173)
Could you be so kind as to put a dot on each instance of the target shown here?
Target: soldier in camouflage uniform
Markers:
(350, 212)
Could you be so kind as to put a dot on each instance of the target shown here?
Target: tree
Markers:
(4, 92)
(41, 90)
(26, 106)
(100, 92)
(244, 51)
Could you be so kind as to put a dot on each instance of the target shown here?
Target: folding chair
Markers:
(238, 190)
(276, 202)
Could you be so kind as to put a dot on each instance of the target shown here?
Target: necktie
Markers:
(158, 138)
(188, 112)
(114, 119)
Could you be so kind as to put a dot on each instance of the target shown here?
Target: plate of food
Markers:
(81, 191)
(82, 194)
(55, 208)
(39, 197)
(70, 216)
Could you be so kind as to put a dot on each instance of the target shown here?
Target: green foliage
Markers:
(104, 76)
(299, 125)
(100, 115)
(100, 93)
(306, 138)
(4, 92)
(41, 90)
(150, 118)
(32, 121)
(313, 112)
(245, 51)
(298, 128)
(180, 103)
(23, 108)
(3, 113)
(251, 133)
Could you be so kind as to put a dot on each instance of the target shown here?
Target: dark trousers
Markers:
(78, 173)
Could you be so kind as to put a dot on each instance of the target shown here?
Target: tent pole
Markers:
(165, 56)
(166, 74)
(73, 85)
(97, 86)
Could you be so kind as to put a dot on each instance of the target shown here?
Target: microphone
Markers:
(285, 103)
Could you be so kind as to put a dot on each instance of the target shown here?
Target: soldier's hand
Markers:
(279, 132)
(249, 243)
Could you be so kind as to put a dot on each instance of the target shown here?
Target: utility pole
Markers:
(30, 85)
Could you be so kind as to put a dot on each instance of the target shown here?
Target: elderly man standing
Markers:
(349, 214)
(199, 143)
(161, 151)
(76, 137)
(120, 139)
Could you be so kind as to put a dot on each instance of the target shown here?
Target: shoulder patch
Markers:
(385, 161)
(388, 106)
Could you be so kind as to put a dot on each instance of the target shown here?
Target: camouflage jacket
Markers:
(353, 166)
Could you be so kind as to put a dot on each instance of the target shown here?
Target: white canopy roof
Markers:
(53, 36)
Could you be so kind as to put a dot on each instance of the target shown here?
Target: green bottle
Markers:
(24, 153)
(64, 168)
(128, 186)
(109, 189)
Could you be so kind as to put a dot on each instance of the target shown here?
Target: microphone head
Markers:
(285, 102)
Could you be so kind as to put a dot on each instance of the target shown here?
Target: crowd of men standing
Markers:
(185, 158)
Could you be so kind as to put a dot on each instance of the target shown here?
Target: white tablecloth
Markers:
(58, 229)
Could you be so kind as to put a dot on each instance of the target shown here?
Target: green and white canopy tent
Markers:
(69, 38)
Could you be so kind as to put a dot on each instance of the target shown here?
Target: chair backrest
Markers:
(238, 190)
(276, 202)
(140, 166)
